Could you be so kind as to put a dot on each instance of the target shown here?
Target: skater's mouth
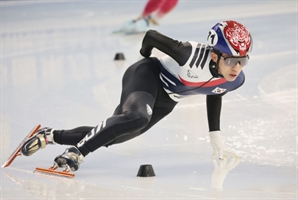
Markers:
(233, 76)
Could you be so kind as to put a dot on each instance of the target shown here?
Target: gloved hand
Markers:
(219, 147)
(145, 53)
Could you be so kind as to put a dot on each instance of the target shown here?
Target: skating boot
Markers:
(139, 25)
(70, 159)
(43, 137)
(152, 20)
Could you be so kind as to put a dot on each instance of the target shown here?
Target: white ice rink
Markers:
(58, 70)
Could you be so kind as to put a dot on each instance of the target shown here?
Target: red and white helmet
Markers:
(230, 37)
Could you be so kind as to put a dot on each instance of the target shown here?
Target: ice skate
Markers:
(70, 159)
(43, 137)
(140, 25)
(151, 20)
(17, 151)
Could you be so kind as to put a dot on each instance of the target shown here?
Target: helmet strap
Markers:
(215, 65)
(217, 62)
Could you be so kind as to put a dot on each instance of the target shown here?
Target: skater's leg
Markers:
(163, 106)
(71, 137)
(158, 114)
(139, 89)
(141, 86)
(74, 136)
(165, 7)
(135, 117)
(151, 6)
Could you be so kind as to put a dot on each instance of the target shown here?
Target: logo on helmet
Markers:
(230, 37)
(238, 36)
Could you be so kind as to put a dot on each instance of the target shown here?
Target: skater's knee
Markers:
(139, 105)
(141, 122)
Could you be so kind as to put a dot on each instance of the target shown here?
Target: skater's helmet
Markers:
(230, 37)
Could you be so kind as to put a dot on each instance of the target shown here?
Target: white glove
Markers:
(219, 147)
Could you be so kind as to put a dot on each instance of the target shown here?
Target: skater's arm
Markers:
(179, 51)
(216, 141)
(213, 103)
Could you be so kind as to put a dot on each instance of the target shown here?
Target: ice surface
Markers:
(57, 69)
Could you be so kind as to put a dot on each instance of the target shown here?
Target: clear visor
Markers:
(232, 61)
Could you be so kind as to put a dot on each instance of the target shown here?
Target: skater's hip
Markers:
(144, 76)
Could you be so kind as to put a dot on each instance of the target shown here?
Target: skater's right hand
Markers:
(219, 147)
(145, 53)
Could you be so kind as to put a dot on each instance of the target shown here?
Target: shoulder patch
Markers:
(219, 90)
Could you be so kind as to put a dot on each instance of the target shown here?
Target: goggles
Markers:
(232, 61)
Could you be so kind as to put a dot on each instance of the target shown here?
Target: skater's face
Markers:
(229, 66)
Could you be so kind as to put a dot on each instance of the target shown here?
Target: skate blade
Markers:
(54, 171)
(16, 152)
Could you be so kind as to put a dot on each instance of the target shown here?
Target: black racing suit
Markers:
(151, 88)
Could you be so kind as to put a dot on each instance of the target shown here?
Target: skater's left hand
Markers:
(219, 147)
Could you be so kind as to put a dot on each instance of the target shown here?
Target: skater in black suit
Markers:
(152, 87)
